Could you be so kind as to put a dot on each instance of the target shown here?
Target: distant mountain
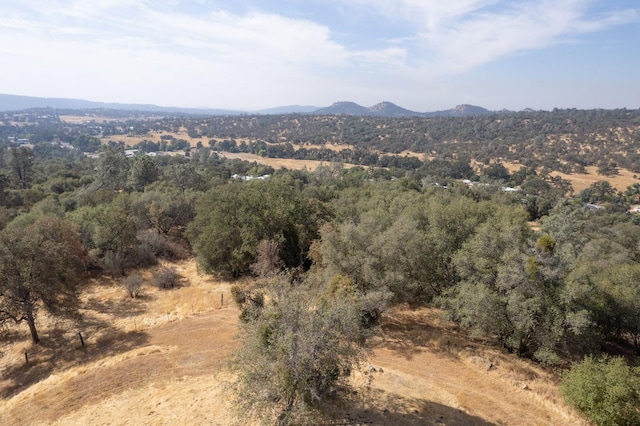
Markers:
(388, 109)
(383, 109)
(17, 103)
(290, 109)
(344, 108)
(463, 110)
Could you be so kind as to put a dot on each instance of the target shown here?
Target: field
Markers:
(578, 181)
(162, 359)
(582, 181)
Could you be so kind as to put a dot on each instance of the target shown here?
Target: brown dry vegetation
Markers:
(87, 118)
(277, 163)
(162, 359)
(581, 181)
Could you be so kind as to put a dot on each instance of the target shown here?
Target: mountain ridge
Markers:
(382, 109)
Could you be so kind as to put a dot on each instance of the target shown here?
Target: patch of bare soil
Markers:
(277, 163)
(443, 377)
(162, 360)
(581, 181)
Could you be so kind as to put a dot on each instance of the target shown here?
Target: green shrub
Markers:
(606, 390)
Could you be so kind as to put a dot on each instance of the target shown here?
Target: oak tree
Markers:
(40, 267)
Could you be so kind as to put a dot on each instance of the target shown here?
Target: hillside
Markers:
(163, 359)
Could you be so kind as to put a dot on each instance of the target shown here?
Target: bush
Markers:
(153, 246)
(239, 295)
(301, 344)
(606, 390)
(146, 254)
(166, 278)
(133, 283)
(113, 263)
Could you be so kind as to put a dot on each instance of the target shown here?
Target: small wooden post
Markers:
(26, 358)
(221, 300)
(81, 339)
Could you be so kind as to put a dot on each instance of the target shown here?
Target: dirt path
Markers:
(193, 347)
(435, 368)
(420, 373)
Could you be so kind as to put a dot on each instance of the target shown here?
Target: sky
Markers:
(424, 55)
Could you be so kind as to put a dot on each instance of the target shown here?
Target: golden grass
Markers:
(422, 356)
(162, 359)
(277, 163)
(82, 119)
(582, 181)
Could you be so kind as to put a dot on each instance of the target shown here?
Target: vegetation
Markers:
(133, 284)
(166, 278)
(300, 346)
(41, 266)
(606, 390)
(331, 248)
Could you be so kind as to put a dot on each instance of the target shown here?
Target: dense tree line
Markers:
(563, 139)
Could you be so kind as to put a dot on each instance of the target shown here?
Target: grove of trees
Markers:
(330, 249)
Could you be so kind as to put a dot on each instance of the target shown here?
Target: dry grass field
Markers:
(277, 163)
(162, 359)
(87, 118)
(582, 181)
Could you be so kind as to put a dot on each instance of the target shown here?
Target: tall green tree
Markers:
(40, 267)
(143, 172)
(113, 168)
(109, 234)
(512, 288)
(21, 162)
(232, 219)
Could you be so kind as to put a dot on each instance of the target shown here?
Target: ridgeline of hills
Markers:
(18, 103)
(388, 109)
(383, 109)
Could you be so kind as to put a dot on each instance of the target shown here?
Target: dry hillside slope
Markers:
(162, 360)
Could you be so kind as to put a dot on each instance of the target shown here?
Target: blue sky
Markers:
(424, 55)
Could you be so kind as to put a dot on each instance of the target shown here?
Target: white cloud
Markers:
(457, 36)
(131, 51)
(161, 52)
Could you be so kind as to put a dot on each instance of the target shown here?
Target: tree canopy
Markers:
(40, 266)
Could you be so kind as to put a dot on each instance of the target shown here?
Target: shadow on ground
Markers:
(410, 332)
(379, 408)
(121, 308)
(59, 350)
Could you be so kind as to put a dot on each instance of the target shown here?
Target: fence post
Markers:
(26, 358)
(81, 339)
(221, 300)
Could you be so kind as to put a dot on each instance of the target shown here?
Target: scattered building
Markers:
(248, 178)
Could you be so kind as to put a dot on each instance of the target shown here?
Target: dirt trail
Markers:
(192, 347)
(420, 372)
(424, 372)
